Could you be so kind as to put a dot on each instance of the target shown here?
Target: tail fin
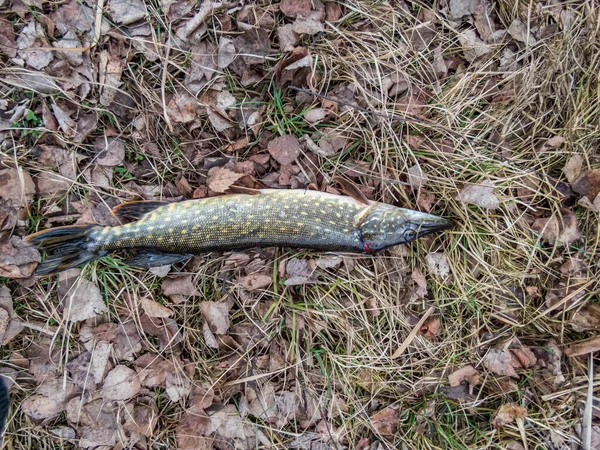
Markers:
(4, 402)
(69, 246)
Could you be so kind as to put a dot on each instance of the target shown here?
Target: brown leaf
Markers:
(127, 11)
(227, 52)
(507, 413)
(4, 321)
(255, 281)
(438, 264)
(110, 151)
(298, 272)
(461, 8)
(7, 39)
(587, 318)
(588, 184)
(216, 315)
(284, 149)
(31, 38)
(221, 179)
(553, 142)
(315, 115)
(17, 259)
(183, 108)
(500, 362)
(416, 177)
(333, 11)
(16, 186)
(573, 167)
(179, 285)
(291, 8)
(307, 25)
(563, 229)
(141, 419)
(121, 383)
(431, 327)
(287, 37)
(81, 298)
(50, 400)
(481, 194)
(293, 68)
(583, 347)
(110, 68)
(466, 373)
(155, 309)
(385, 421)
(86, 124)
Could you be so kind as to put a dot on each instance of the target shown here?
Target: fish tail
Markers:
(69, 246)
(4, 402)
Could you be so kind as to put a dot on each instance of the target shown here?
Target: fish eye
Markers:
(409, 235)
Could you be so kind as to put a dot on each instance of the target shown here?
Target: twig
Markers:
(98, 22)
(586, 428)
(412, 334)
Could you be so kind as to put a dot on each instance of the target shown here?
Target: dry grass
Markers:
(336, 338)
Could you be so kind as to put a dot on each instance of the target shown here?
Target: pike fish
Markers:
(166, 233)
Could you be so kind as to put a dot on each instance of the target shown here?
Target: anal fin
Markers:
(149, 258)
(136, 209)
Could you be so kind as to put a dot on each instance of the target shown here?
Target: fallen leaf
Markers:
(315, 115)
(385, 421)
(473, 46)
(563, 230)
(587, 184)
(500, 362)
(333, 11)
(255, 281)
(110, 68)
(298, 272)
(507, 413)
(307, 25)
(50, 400)
(192, 428)
(416, 177)
(81, 298)
(461, 8)
(553, 142)
(8, 45)
(466, 373)
(481, 194)
(179, 286)
(69, 41)
(227, 52)
(294, 68)
(16, 186)
(216, 315)
(121, 383)
(573, 167)
(431, 327)
(438, 264)
(291, 8)
(155, 309)
(141, 418)
(110, 151)
(586, 203)
(96, 422)
(4, 321)
(31, 38)
(519, 31)
(284, 149)
(584, 347)
(17, 259)
(73, 16)
(220, 179)
(183, 108)
(287, 37)
(587, 318)
(127, 11)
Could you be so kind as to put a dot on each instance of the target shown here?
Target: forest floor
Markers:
(484, 112)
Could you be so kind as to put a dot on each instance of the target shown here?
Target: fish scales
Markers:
(170, 233)
(272, 218)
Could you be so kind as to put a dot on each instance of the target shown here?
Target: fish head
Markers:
(386, 225)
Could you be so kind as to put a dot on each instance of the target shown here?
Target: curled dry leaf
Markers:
(573, 167)
(416, 177)
(50, 400)
(587, 318)
(81, 298)
(220, 179)
(466, 373)
(315, 115)
(110, 151)
(431, 327)
(507, 413)
(183, 108)
(287, 37)
(500, 362)
(179, 286)
(587, 184)
(8, 45)
(481, 194)
(121, 383)
(16, 186)
(438, 264)
(126, 11)
(141, 418)
(553, 142)
(298, 272)
(291, 8)
(583, 347)
(155, 309)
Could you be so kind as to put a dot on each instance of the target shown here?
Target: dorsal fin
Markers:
(242, 190)
(136, 208)
(312, 187)
(351, 190)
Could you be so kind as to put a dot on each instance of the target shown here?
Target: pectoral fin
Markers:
(154, 259)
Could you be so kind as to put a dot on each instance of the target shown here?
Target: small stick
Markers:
(586, 438)
(412, 334)
(164, 80)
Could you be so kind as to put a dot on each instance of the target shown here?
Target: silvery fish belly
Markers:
(165, 233)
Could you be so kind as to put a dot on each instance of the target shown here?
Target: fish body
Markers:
(4, 404)
(169, 232)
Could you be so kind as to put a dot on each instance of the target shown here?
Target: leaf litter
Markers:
(102, 141)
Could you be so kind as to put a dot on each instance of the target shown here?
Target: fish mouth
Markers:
(433, 224)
